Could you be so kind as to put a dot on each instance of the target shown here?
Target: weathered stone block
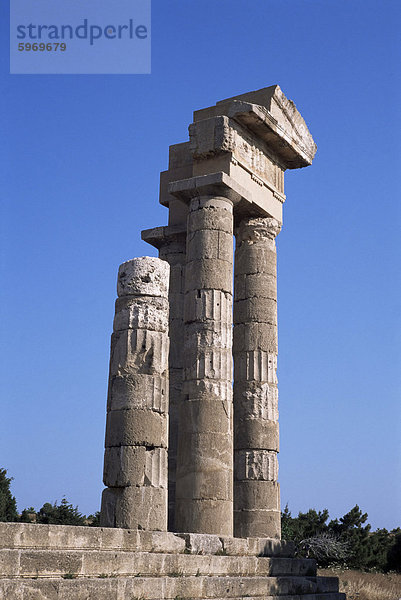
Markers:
(254, 400)
(84, 589)
(199, 543)
(256, 495)
(177, 278)
(255, 465)
(292, 566)
(210, 219)
(141, 313)
(208, 305)
(135, 465)
(176, 345)
(209, 363)
(142, 587)
(29, 535)
(210, 202)
(256, 365)
(119, 539)
(50, 563)
(136, 427)
(160, 541)
(138, 351)
(206, 416)
(207, 389)
(135, 508)
(257, 522)
(201, 484)
(256, 433)
(259, 285)
(10, 563)
(235, 546)
(211, 452)
(260, 260)
(29, 590)
(176, 307)
(140, 391)
(119, 563)
(208, 515)
(233, 587)
(207, 334)
(257, 232)
(143, 276)
(210, 243)
(255, 336)
(255, 310)
(212, 273)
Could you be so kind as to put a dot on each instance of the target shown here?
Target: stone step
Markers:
(30, 535)
(174, 588)
(92, 563)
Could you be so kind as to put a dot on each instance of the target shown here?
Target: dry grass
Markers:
(366, 586)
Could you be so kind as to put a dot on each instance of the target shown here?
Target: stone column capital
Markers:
(251, 229)
(162, 236)
(213, 184)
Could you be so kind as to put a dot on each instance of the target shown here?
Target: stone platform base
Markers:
(55, 562)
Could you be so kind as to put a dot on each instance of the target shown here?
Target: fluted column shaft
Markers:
(204, 494)
(256, 442)
(135, 460)
(173, 251)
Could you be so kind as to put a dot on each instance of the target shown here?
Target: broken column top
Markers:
(143, 276)
(274, 119)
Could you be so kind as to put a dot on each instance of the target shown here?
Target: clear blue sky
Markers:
(80, 162)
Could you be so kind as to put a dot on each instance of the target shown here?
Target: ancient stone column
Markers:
(171, 243)
(135, 463)
(238, 149)
(256, 443)
(204, 489)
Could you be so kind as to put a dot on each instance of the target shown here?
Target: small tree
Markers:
(94, 520)
(28, 515)
(306, 525)
(8, 505)
(394, 553)
(287, 529)
(60, 514)
(350, 530)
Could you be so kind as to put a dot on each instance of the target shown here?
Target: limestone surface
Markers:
(204, 486)
(237, 153)
(58, 562)
(135, 461)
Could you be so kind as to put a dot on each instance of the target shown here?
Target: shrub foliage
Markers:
(8, 505)
(347, 542)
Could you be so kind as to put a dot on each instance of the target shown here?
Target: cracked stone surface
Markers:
(135, 462)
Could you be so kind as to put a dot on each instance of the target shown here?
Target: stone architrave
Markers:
(135, 462)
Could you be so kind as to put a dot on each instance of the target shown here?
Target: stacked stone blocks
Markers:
(55, 562)
(204, 488)
(229, 178)
(256, 498)
(135, 463)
